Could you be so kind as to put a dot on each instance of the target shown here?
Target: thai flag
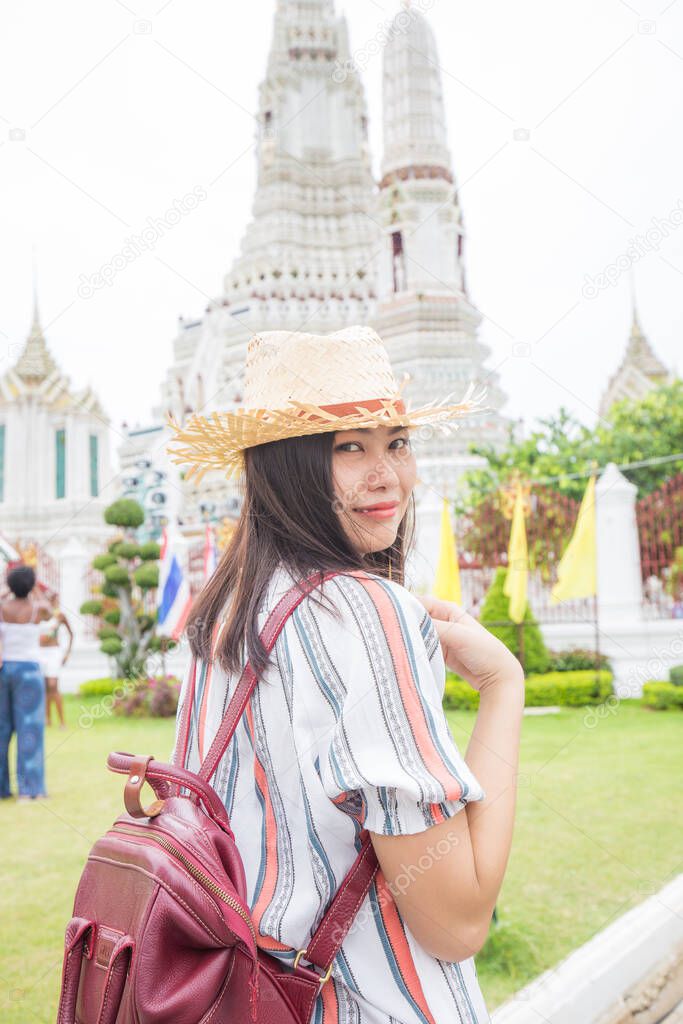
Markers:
(210, 552)
(173, 595)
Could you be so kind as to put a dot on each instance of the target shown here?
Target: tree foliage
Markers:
(127, 629)
(560, 445)
(126, 513)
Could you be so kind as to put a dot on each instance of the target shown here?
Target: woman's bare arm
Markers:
(446, 879)
(65, 622)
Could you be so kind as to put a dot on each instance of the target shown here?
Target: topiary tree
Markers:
(127, 630)
(494, 612)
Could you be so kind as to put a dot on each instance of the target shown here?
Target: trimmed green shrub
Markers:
(125, 512)
(91, 607)
(568, 689)
(109, 589)
(495, 609)
(127, 549)
(100, 687)
(459, 695)
(106, 631)
(112, 645)
(117, 575)
(147, 576)
(662, 696)
(150, 551)
(113, 616)
(575, 659)
(676, 675)
(101, 562)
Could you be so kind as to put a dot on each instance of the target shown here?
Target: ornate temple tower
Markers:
(639, 371)
(307, 257)
(424, 313)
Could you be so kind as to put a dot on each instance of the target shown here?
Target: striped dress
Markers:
(345, 731)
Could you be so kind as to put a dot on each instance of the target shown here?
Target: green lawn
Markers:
(598, 829)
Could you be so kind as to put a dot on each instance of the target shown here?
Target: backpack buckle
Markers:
(322, 977)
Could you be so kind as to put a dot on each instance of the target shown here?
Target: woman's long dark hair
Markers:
(288, 515)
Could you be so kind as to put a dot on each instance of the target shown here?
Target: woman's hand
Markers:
(469, 649)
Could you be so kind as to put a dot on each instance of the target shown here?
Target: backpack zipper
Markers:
(205, 880)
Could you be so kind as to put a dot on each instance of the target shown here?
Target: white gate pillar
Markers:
(620, 593)
(421, 565)
(74, 563)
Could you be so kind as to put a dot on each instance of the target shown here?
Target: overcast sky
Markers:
(565, 124)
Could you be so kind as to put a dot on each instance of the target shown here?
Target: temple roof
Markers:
(640, 370)
(640, 352)
(35, 364)
(37, 373)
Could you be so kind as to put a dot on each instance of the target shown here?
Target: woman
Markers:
(345, 731)
(22, 686)
(52, 661)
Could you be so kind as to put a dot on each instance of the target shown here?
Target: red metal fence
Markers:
(484, 534)
(660, 531)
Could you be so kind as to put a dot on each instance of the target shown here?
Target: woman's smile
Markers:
(382, 510)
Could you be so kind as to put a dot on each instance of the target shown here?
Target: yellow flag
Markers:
(518, 571)
(576, 572)
(447, 579)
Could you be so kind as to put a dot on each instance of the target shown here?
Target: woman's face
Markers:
(372, 467)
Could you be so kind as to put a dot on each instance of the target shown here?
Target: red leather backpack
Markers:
(161, 931)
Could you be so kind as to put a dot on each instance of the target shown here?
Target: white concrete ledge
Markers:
(592, 981)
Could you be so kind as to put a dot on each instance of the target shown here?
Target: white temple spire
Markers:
(36, 315)
(424, 313)
(35, 362)
(307, 253)
(414, 116)
(421, 212)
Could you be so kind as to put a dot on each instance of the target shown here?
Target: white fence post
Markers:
(74, 564)
(620, 592)
(421, 565)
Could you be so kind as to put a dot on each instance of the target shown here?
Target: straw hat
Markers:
(297, 384)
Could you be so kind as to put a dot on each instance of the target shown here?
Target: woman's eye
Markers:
(403, 442)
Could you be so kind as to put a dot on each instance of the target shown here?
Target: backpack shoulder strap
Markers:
(327, 939)
(329, 936)
(269, 634)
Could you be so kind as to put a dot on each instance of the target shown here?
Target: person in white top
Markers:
(22, 685)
